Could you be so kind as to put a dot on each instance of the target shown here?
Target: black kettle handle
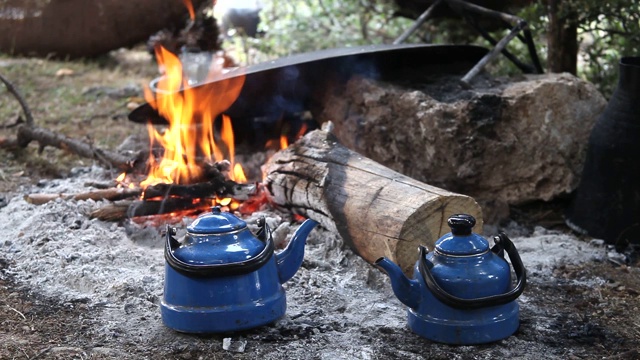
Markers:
(503, 243)
(228, 269)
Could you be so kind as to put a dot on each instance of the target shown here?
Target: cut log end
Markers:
(428, 223)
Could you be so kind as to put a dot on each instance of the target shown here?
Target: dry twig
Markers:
(28, 132)
(23, 104)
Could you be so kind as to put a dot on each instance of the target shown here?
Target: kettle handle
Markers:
(234, 268)
(503, 243)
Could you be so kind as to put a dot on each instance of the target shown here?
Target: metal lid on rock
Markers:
(461, 241)
(216, 222)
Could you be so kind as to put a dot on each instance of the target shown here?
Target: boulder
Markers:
(504, 142)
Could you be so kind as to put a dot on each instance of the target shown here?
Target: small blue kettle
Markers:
(222, 278)
(461, 292)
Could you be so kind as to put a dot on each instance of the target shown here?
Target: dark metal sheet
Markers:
(290, 84)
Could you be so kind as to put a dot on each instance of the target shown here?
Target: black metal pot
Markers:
(607, 202)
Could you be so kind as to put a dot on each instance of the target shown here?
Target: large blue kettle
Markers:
(222, 278)
(461, 292)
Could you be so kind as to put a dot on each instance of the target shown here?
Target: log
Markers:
(377, 211)
(209, 189)
(96, 195)
(124, 209)
(195, 197)
(112, 212)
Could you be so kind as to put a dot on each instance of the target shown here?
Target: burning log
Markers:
(168, 198)
(124, 209)
(377, 211)
(121, 210)
(209, 189)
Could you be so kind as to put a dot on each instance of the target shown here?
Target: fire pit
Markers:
(76, 286)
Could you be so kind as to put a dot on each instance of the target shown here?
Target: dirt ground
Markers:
(567, 316)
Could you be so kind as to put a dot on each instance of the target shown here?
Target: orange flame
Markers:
(191, 112)
(189, 5)
(284, 142)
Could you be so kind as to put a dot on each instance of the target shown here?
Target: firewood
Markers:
(124, 209)
(166, 201)
(377, 211)
(112, 212)
(101, 194)
(210, 189)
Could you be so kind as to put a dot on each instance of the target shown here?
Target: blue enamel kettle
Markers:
(222, 278)
(461, 292)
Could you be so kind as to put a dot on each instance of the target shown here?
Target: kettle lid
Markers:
(216, 222)
(461, 241)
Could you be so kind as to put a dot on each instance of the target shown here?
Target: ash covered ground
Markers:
(76, 288)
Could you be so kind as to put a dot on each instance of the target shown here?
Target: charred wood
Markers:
(210, 189)
(124, 209)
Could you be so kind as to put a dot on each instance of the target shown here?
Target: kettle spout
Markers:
(406, 290)
(289, 260)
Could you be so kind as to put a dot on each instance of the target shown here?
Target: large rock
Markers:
(83, 28)
(504, 142)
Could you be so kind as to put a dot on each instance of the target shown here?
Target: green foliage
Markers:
(607, 31)
(295, 26)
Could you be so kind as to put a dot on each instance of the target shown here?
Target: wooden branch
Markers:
(28, 132)
(419, 21)
(518, 24)
(23, 104)
(44, 137)
(525, 68)
(466, 80)
(166, 206)
(102, 194)
(173, 198)
(210, 189)
(377, 211)
(464, 5)
(124, 209)
(112, 212)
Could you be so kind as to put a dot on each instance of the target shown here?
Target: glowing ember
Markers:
(191, 112)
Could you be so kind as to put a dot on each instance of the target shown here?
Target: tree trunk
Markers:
(562, 40)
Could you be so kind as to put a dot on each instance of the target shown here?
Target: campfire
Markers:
(191, 163)
(191, 166)
(373, 176)
(368, 177)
